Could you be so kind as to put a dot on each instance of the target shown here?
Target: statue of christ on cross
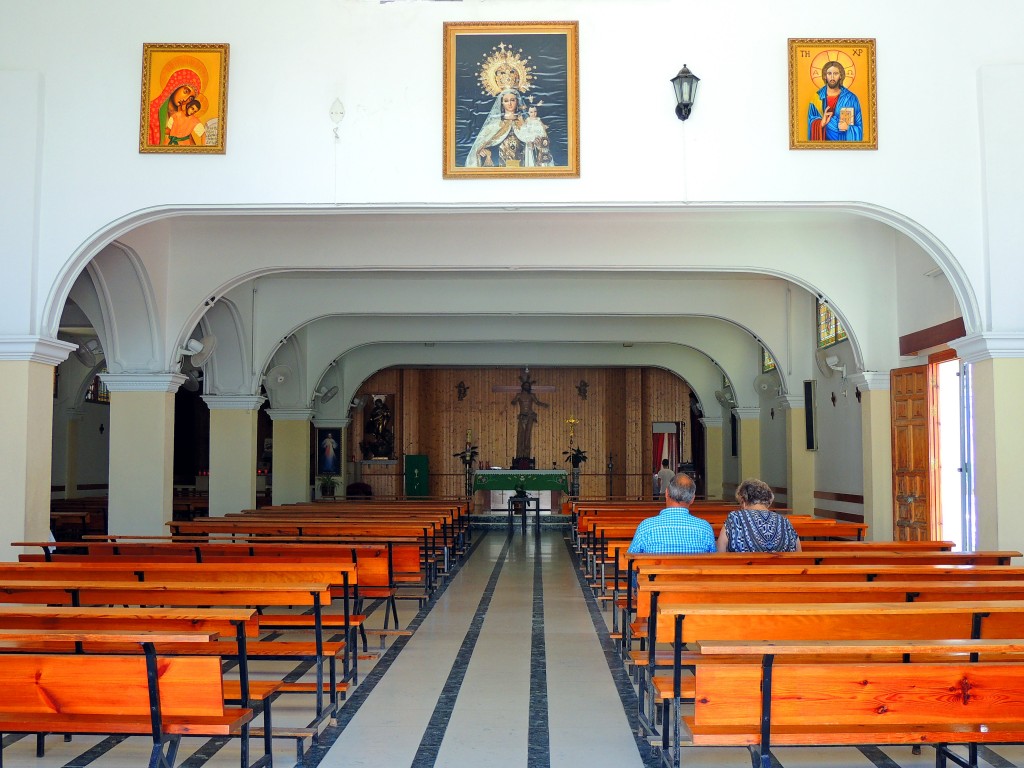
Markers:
(525, 399)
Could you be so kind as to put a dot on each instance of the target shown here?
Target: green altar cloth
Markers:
(528, 479)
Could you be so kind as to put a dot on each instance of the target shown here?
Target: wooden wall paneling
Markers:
(615, 419)
(637, 482)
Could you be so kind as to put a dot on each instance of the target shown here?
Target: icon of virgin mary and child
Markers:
(512, 135)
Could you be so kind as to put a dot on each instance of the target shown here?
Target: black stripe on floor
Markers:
(539, 744)
(430, 744)
(356, 699)
(615, 666)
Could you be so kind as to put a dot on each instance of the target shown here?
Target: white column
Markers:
(233, 452)
(997, 381)
(876, 449)
(799, 461)
(141, 451)
(290, 470)
(26, 423)
(749, 419)
(713, 456)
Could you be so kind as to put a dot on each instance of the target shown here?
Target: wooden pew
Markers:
(825, 694)
(817, 621)
(242, 624)
(322, 653)
(165, 697)
(389, 571)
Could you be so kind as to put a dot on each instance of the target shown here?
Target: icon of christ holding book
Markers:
(839, 117)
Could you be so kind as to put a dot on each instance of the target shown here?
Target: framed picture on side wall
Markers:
(511, 100)
(184, 98)
(328, 451)
(832, 102)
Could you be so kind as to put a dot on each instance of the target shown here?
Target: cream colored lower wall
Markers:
(713, 452)
(26, 422)
(801, 464)
(291, 461)
(750, 443)
(998, 447)
(142, 448)
(233, 460)
(876, 441)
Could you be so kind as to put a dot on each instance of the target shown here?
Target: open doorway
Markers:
(930, 408)
(950, 415)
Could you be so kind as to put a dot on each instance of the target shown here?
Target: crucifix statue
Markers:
(525, 399)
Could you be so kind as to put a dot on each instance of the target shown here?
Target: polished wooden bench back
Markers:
(164, 697)
(826, 694)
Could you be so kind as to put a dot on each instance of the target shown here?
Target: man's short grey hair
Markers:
(681, 489)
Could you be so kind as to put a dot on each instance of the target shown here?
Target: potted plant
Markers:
(576, 456)
(327, 484)
(467, 457)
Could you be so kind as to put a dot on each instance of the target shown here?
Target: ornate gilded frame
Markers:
(807, 57)
(537, 60)
(199, 73)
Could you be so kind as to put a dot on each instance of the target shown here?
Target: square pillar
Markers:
(233, 452)
(26, 422)
(713, 447)
(800, 462)
(141, 451)
(876, 447)
(290, 470)
(750, 442)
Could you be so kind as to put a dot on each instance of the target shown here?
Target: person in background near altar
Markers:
(674, 529)
(665, 476)
(755, 527)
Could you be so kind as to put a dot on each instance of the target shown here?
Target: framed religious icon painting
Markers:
(184, 98)
(511, 100)
(832, 102)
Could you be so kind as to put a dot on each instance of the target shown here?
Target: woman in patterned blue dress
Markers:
(754, 527)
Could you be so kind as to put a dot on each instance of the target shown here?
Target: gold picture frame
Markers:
(843, 113)
(184, 98)
(511, 100)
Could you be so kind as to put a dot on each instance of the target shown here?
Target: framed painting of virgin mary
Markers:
(184, 98)
(511, 100)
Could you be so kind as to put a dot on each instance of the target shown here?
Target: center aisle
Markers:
(505, 668)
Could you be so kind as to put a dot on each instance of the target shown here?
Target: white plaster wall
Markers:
(773, 444)
(839, 463)
(933, 302)
(87, 58)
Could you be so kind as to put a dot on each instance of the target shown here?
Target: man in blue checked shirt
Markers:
(674, 529)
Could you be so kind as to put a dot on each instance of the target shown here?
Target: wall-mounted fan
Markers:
(725, 399)
(766, 384)
(357, 403)
(828, 363)
(277, 377)
(88, 352)
(199, 351)
(192, 381)
(326, 395)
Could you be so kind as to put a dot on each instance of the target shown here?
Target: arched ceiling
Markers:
(337, 283)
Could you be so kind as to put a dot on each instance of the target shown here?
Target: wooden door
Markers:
(913, 497)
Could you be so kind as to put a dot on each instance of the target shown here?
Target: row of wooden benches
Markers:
(255, 574)
(873, 653)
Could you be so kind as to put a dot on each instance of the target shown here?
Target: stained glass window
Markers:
(767, 361)
(830, 330)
